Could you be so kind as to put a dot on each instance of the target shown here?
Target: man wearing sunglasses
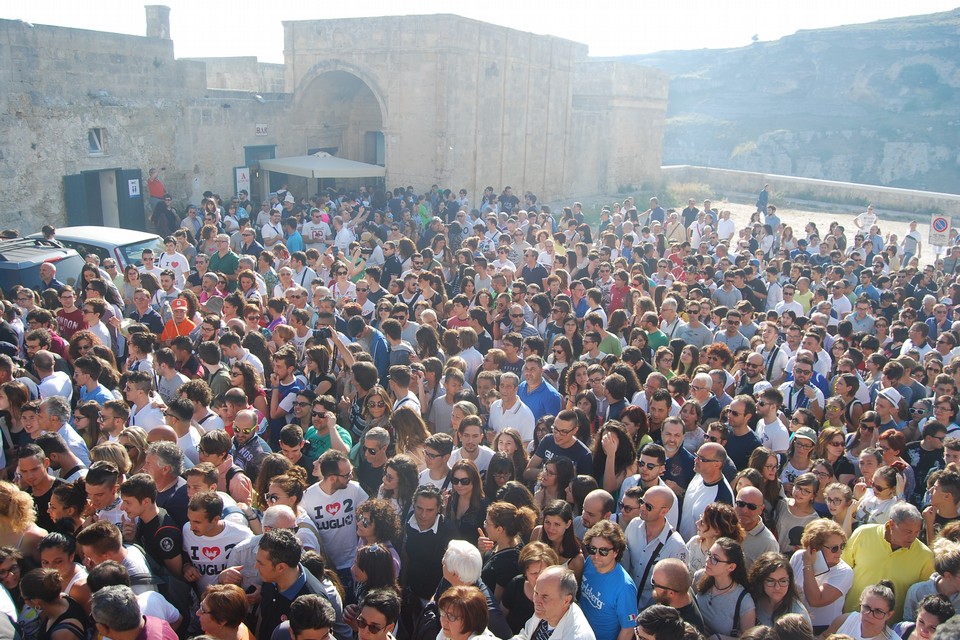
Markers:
(759, 540)
(608, 595)
(708, 485)
(379, 611)
(651, 465)
(651, 538)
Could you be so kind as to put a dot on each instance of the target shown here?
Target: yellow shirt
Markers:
(873, 559)
(805, 299)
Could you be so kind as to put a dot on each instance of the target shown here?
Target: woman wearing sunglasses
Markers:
(342, 289)
(287, 489)
(822, 584)
(866, 435)
(466, 506)
(721, 591)
(379, 523)
(717, 521)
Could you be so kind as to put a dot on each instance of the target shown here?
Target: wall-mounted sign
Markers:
(133, 186)
(261, 129)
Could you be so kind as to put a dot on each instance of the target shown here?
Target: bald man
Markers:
(707, 486)
(598, 505)
(650, 538)
(554, 608)
(162, 433)
(759, 540)
(671, 580)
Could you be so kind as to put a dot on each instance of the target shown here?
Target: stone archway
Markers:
(338, 110)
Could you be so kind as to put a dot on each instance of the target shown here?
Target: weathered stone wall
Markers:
(459, 102)
(470, 104)
(156, 110)
(243, 73)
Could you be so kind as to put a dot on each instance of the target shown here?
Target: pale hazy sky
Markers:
(203, 28)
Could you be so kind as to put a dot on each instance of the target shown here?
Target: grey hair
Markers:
(379, 435)
(279, 515)
(510, 376)
(467, 407)
(169, 454)
(568, 579)
(58, 407)
(904, 512)
(116, 607)
(463, 560)
(703, 378)
(668, 302)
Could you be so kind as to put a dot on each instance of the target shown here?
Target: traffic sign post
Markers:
(940, 230)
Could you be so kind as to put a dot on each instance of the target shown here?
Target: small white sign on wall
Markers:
(133, 186)
(261, 129)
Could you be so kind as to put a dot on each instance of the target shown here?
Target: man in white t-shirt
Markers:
(471, 435)
(332, 505)
(866, 219)
(437, 449)
(315, 232)
(509, 410)
(773, 434)
(207, 540)
(272, 231)
(176, 262)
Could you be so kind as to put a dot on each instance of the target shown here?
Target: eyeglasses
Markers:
(603, 552)
(626, 508)
(460, 481)
(702, 459)
(782, 583)
(564, 432)
(867, 427)
(648, 465)
(380, 404)
(449, 616)
(431, 456)
(870, 611)
(301, 404)
(918, 410)
(713, 558)
(319, 414)
(363, 521)
(246, 431)
(837, 548)
(374, 628)
(372, 450)
(660, 586)
(271, 498)
(747, 505)
(13, 569)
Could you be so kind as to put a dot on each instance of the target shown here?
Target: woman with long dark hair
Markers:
(510, 443)
(245, 376)
(500, 471)
(721, 588)
(774, 588)
(400, 481)
(614, 457)
(373, 569)
(556, 475)
(556, 531)
(466, 507)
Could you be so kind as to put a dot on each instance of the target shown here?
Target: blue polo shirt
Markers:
(100, 394)
(542, 401)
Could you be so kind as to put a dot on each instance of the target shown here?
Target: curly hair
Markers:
(383, 516)
(609, 531)
(723, 518)
(273, 465)
(16, 508)
(408, 478)
(817, 531)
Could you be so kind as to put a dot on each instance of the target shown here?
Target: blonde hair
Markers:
(112, 452)
(16, 508)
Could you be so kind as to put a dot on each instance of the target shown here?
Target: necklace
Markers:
(716, 592)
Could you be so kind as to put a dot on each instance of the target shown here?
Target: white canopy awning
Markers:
(323, 165)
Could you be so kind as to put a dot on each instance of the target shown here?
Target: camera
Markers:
(323, 333)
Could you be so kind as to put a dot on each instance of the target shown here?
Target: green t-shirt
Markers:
(611, 344)
(657, 339)
(322, 443)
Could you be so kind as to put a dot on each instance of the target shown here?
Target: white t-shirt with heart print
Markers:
(335, 517)
(209, 553)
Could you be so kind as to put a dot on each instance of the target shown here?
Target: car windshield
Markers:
(132, 253)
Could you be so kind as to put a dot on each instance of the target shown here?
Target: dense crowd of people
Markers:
(397, 415)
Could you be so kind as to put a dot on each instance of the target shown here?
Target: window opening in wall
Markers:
(97, 141)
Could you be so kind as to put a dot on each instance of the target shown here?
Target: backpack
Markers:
(178, 593)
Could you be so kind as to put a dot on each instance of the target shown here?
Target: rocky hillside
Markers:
(875, 103)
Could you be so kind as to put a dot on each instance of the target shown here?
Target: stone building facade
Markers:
(436, 99)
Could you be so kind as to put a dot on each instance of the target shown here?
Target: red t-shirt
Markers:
(70, 323)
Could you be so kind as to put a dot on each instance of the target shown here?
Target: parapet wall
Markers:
(841, 193)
